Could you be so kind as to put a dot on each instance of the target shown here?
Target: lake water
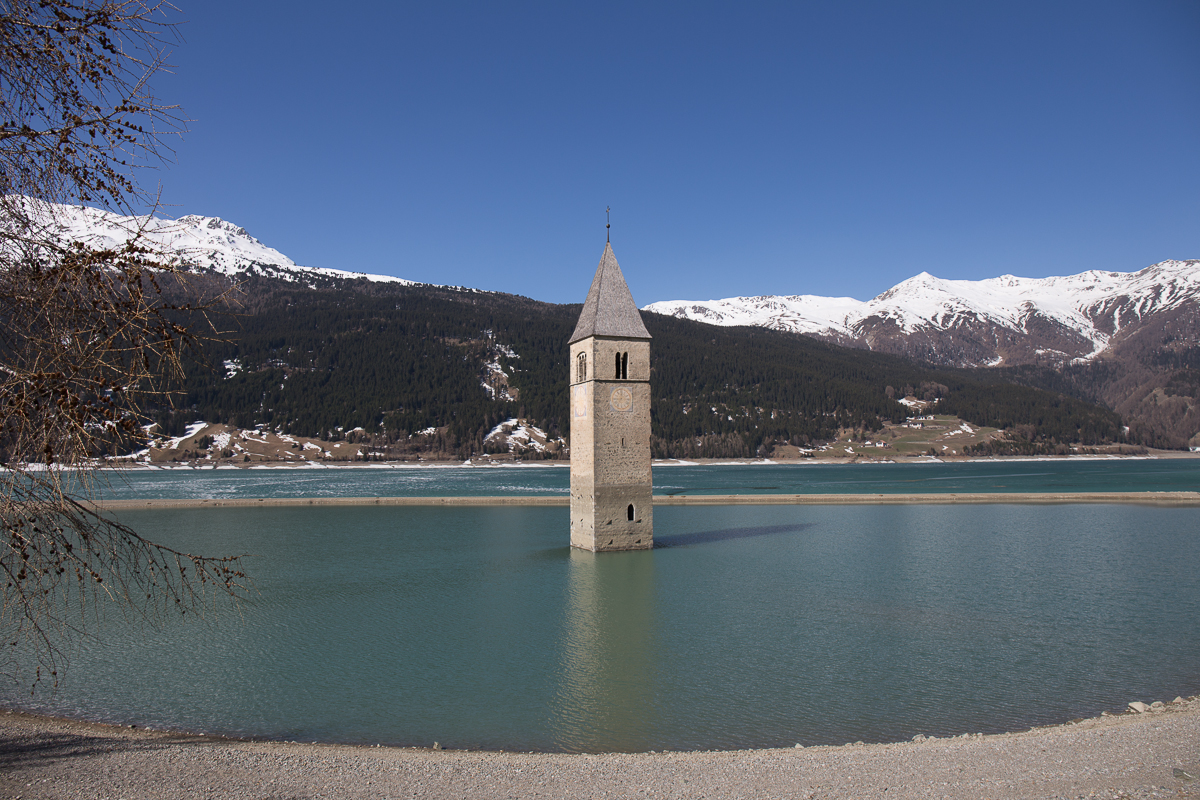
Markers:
(751, 626)
(1059, 475)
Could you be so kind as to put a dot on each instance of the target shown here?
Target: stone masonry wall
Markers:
(610, 447)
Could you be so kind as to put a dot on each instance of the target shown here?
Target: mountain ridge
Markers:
(1065, 319)
(1155, 384)
(1128, 340)
(1057, 320)
(192, 240)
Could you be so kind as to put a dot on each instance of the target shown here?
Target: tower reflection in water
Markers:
(606, 696)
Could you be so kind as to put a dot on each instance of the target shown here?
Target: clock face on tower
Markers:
(621, 399)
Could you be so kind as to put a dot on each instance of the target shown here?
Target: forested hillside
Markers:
(730, 391)
(396, 361)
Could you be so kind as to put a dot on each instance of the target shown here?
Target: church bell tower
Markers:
(610, 418)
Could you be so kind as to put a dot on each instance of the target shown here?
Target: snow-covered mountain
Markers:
(207, 243)
(1005, 320)
(999, 321)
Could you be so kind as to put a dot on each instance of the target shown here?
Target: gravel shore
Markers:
(1134, 755)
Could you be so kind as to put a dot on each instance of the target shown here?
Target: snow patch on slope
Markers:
(520, 437)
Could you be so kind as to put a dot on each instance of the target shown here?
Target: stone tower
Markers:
(610, 418)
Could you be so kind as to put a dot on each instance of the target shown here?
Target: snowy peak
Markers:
(192, 241)
(1007, 319)
(215, 233)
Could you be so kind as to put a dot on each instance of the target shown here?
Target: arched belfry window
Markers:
(581, 368)
(629, 512)
(622, 372)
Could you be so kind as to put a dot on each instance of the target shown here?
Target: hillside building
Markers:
(610, 418)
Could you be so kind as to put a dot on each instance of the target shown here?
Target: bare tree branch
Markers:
(87, 340)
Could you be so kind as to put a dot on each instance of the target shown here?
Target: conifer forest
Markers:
(386, 361)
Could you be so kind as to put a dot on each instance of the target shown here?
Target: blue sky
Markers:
(745, 149)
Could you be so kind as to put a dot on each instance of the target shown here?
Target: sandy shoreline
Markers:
(1130, 755)
(1178, 499)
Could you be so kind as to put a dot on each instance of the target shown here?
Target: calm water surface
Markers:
(750, 627)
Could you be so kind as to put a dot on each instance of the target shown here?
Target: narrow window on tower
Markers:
(624, 366)
(581, 368)
(629, 512)
(618, 375)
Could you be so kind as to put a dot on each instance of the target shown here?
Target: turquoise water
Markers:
(1059, 475)
(748, 627)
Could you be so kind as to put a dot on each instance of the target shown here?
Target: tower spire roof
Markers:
(609, 309)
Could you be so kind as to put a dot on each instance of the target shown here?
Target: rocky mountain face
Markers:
(1130, 340)
(1150, 374)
